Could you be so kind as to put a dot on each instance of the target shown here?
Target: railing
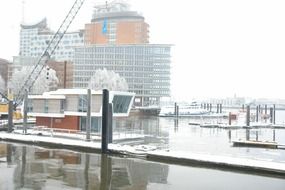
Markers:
(77, 134)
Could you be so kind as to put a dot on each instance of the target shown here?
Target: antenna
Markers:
(23, 11)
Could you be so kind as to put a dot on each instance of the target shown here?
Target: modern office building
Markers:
(115, 23)
(146, 68)
(35, 38)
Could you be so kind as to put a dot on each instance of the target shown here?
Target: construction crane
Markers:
(48, 52)
(40, 64)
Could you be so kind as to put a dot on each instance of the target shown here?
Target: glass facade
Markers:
(95, 124)
(146, 67)
(121, 103)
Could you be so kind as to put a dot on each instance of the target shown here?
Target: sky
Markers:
(221, 48)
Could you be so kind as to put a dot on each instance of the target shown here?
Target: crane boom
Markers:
(50, 49)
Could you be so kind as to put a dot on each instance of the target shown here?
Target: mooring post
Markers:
(230, 118)
(257, 113)
(271, 115)
(10, 116)
(274, 113)
(177, 113)
(88, 118)
(25, 112)
(110, 128)
(248, 115)
(105, 119)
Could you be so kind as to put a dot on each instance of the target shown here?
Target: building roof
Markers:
(42, 24)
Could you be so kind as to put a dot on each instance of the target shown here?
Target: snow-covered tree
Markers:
(104, 79)
(46, 81)
(2, 84)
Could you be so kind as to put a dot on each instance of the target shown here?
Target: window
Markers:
(82, 103)
(121, 103)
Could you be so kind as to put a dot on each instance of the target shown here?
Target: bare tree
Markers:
(2, 85)
(103, 79)
(46, 81)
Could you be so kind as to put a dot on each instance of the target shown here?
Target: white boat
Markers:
(193, 109)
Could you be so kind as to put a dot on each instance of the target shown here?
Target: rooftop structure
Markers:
(34, 38)
(115, 23)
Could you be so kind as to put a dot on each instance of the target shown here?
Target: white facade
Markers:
(35, 38)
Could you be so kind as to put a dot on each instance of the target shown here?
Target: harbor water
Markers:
(32, 167)
(28, 167)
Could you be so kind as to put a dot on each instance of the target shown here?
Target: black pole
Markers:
(105, 106)
(221, 108)
(257, 111)
(110, 122)
(271, 115)
(218, 105)
(175, 109)
(230, 118)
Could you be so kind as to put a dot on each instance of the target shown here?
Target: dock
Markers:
(259, 144)
(255, 166)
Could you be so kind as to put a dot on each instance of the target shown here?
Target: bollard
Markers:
(257, 111)
(221, 108)
(110, 128)
(247, 115)
(177, 113)
(105, 106)
(88, 117)
(230, 118)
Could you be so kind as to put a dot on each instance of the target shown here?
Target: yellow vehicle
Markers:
(4, 111)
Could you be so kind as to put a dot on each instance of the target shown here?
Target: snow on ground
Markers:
(145, 150)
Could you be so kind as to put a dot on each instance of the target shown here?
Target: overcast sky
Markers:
(221, 48)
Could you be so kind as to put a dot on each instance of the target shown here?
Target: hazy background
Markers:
(221, 48)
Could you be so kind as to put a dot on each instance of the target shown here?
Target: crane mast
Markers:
(50, 49)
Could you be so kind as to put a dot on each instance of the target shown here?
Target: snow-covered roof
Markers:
(47, 96)
(71, 91)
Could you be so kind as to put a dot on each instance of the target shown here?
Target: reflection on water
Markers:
(24, 167)
(37, 168)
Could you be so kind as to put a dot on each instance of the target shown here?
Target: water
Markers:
(28, 167)
(167, 133)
